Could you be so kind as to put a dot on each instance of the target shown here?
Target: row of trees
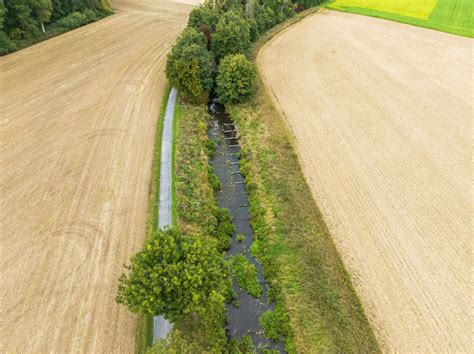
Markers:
(215, 44)
(23, 22)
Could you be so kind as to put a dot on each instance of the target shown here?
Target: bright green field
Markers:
(453, 16)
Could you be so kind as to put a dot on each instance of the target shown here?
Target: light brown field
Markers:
(382, 118)
(78, 115)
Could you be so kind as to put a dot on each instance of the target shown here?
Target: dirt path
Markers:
(77, 132)
(382, 117)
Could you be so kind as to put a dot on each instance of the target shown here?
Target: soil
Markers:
(382, 119)
(77, 133)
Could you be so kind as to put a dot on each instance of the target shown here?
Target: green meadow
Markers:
(452, 16)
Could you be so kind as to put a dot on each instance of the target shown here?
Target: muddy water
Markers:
(243, 319)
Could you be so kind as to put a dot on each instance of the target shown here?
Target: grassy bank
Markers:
(309, 282)
(451, 16)
(144, 329)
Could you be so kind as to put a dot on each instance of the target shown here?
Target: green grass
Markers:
(246, 275)
(144, 328)
(309, 283)
(452, 16)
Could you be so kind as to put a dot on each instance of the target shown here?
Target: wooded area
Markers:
(24, 22)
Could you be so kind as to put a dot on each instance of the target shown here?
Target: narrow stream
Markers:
(242, 320)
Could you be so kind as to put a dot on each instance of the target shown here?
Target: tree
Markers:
(203, 15)
(42, 10)
(235, 80)
(6, 45)
(232, 35)
(173, 275)
(189, 65)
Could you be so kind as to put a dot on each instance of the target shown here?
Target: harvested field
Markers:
(77, 133)
(381, 114)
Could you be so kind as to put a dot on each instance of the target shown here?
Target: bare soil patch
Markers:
(77, 132)
(382, 118)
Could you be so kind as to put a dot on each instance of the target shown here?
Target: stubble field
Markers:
(381, 114)
(77, 132)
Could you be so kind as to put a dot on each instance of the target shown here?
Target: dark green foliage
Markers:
(204, 15)
(246, 275)
(232, 35)
(24, 22)
(189, 65)
(253, 29)
(275, 323)
(224, 229)
(173, 275)
(235, 80)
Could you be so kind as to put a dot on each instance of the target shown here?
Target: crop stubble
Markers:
(381, 114)
(77, 133)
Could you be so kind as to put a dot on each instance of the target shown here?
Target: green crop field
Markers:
(453, 16)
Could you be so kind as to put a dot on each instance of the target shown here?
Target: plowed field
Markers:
(78, 115)
(382, 118)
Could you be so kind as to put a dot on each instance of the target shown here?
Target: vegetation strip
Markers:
(309, 282)
(161, 326)
(315, 308)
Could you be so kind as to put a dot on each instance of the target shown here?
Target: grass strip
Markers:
(309, 283)
(144, 328)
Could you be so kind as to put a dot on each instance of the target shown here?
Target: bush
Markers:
(275, 323)
(232, 35)
(76, 19)
(246, 275)
(235, 80)
(203, 15)
(175, 343)
(6, 45)
(173, 275)
(189, 65)
(224, 229)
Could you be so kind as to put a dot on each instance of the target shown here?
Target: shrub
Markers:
(235, 80)
(246, 275)
(240, 237)
(232, 35)
(204, 15)
(224, 229)
(275, 323)
(190, 36)
(173, 275)
(6, 45)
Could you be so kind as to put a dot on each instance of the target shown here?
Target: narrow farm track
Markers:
(382, 117)
(77, 132)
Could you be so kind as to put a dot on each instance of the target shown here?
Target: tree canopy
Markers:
(173, 275)
(232, 35)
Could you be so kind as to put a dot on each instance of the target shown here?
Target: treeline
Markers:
(211, 51)
(24, 22)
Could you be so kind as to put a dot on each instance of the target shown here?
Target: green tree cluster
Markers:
(23, 22)
(190, 64)
(236, 79)
(173, 275)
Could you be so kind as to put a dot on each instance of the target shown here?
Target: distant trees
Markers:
(235, 80)
(173, 275)
(23, 22)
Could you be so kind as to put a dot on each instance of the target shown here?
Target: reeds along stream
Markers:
(242, 319)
